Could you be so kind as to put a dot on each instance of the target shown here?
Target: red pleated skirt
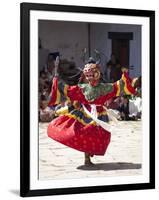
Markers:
(88, 138)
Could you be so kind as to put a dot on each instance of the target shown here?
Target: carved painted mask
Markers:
(92, 73)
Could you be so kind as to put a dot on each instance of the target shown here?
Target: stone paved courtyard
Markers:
(123, 157)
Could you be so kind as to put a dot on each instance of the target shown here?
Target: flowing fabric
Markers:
(83, 124)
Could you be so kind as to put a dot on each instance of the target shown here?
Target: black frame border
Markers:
(25, 9)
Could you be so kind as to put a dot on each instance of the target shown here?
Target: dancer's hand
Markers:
(57, 65)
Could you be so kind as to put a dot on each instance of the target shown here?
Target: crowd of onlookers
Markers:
(126, 108)
(69, 73)
(46, 75)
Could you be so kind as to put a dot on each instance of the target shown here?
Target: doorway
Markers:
(121, 46)
(121, 50)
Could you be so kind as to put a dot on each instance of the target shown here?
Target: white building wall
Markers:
(100, 41)
(135, 52)
(68, 38)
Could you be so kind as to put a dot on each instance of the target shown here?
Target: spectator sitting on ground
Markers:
(135, 103)
(124, 108)
(42, 80)
(45, 114)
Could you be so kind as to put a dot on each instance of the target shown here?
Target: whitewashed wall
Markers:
(100, 41)
(70, 38)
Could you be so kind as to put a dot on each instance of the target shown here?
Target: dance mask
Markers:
(92, 73)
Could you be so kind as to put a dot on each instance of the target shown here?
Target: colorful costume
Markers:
(81, 126)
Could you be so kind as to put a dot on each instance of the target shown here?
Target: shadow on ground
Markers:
(111, 166)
